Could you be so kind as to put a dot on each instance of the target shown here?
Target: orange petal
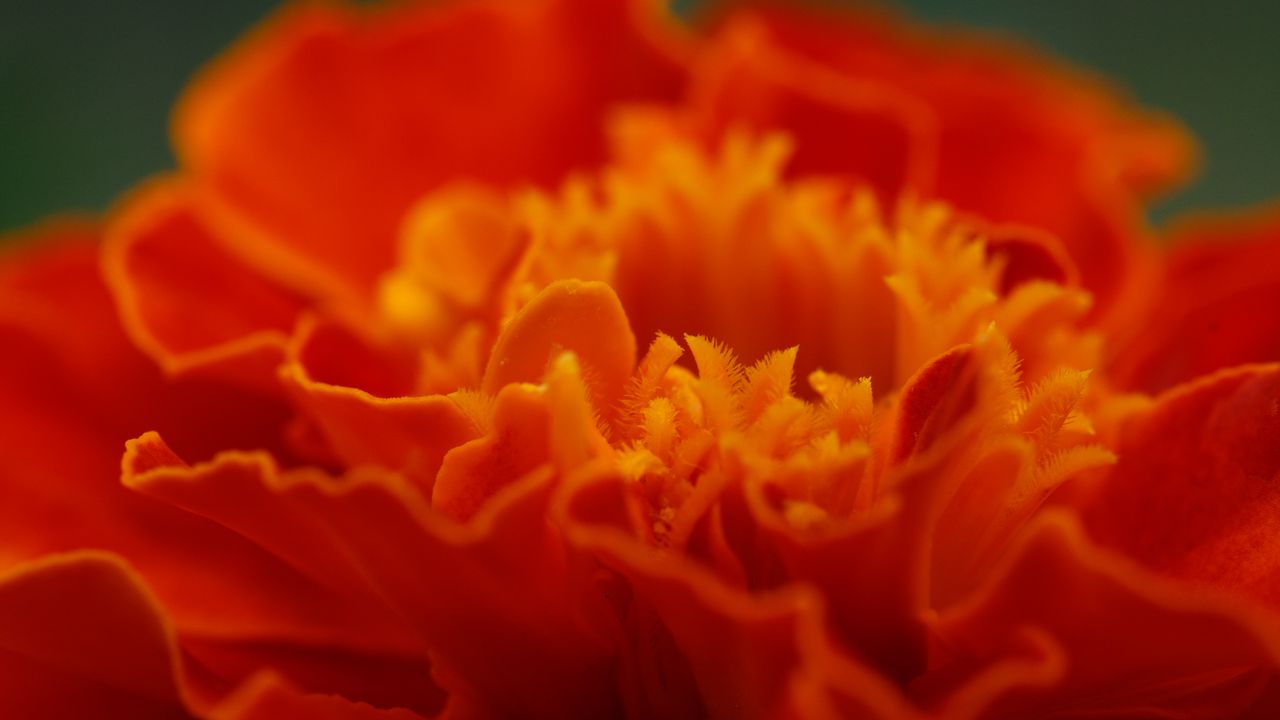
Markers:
(1133, 645)
(1020, 139)
(377, 682)
(1194, 492)
(491, 599)
(518, 444)
(183, 300)
(235, 491)
(1214, 309)
(314, 135)
(843, 127)
(582, 317)
(81, 637)
(72, 391)
(268, 697)
(410, 434)
(749, 656)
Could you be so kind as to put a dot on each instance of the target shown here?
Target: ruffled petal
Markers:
(81, 637)
(408, 434)
(165, 267)
(72, 391)
(229, 491)
(864, 129)
(1213, 306)
(1115, 641)
(312, 138)
(749, 656)
(491, 599)
(1019, 139)
(1195, 491)
(267, 697)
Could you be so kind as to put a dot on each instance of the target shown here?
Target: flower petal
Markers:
(72, 391)
(491, 599)
(1134, 645)
(230, 491)
(267, 697)
(750, 656)
(408, 434)
(315, 135)
(166, 269)
(81, 637)
(1020, 139)
(583, 317)
(862, 128)
(1214, 306)
(1195, 491)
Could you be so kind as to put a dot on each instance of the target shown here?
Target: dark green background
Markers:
(85, 85)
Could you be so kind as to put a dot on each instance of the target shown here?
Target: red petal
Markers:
(72, 391)
(844, 127)
(750, 656)
(1195, 491)
(235, 491)
(491, 599)
(1029, 254)
(1214, 309)
(930, 403)
(393, 684)
(315, 135)
(183, 300)
(1019, 139)
(80, 637)
(408, 434)
(1134, 646)
(267, 697)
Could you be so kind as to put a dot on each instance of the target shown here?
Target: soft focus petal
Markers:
(1019, 139)
(863, 129)
(409, 434)
(491, 598)
(312, 138)
(72, 391)
(1214, 305)
(1194, 494)
(749, 656)
(80, 637)
(163, 266)
(1134, 646)
(266, 697)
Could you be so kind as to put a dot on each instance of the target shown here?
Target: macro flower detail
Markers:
(569, 359)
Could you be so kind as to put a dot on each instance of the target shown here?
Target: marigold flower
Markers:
(559, 359)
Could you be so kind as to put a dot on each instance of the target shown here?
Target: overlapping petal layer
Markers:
(550, 360)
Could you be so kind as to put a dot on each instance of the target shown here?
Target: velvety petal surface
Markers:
(1194, 492)
(81, 637)
(312, 138)
(1210, 306)
(1117, 641)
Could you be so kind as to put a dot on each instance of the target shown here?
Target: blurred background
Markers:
(86, 86)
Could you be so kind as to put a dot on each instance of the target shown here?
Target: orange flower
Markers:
(556, 359)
